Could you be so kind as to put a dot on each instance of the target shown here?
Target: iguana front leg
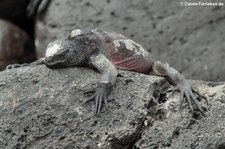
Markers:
(176, 79)
(108, 79)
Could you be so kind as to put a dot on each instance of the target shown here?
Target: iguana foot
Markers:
(35, 63)
(100, 95)
(11, 66)
(187, 92)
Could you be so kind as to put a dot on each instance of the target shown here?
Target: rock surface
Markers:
(44, 109)
(190, 38)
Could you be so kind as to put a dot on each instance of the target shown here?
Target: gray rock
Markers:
(42, 108)
(190, 38)
(179, 130)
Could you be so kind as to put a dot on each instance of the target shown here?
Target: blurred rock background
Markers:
(190, 38)
(16, 33)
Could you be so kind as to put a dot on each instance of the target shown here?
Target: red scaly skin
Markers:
(124, 53)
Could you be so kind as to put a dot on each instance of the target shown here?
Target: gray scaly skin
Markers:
(90, 49)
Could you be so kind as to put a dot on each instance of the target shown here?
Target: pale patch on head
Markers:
(52, 49)
(75, 32)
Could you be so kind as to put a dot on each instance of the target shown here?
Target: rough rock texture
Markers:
(180, 131)
(43, 109)
(189, 38)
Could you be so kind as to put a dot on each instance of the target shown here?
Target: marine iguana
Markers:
(107, 51)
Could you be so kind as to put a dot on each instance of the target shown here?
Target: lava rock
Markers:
(43, 108)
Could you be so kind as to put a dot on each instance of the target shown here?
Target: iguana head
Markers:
(71, 51)
(62, 53)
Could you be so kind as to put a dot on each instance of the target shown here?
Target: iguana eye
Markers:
(67, 50)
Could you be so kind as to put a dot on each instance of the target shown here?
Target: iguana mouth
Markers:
(54, 64)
